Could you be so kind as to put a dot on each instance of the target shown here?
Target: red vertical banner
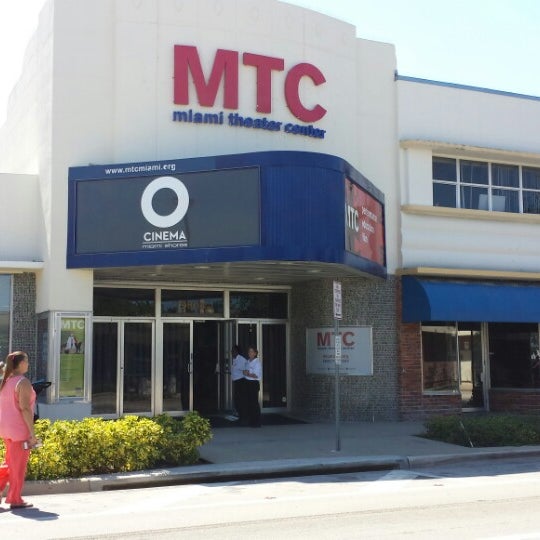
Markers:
(364, 224)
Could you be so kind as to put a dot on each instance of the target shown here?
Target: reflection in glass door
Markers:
(247, 337)
(105, 368)
(270, 339)
(137, 367)
(206, 366)
(176, 367)
(195, 373)
(274, 343)
(470, 365)
(125, 348)
(227, 340)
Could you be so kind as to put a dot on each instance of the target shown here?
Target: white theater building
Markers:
(180, 176)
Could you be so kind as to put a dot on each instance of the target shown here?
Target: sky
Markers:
(487, 43)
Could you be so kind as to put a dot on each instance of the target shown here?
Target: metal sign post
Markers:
(337, 349)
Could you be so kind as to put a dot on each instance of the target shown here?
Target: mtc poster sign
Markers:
(364, 224)
(356, 350)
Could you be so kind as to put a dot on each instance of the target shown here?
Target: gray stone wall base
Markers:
(366, 302)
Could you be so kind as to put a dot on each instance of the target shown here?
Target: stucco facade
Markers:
(111, 89)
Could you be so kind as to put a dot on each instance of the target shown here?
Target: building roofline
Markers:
(466, 87)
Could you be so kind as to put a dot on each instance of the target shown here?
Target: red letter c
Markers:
(292, 91)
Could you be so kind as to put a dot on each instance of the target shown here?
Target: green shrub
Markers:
(73, 448)
(446, 429)
(182, 439)
(485, 430)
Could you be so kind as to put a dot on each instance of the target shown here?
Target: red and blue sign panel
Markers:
(364, 224)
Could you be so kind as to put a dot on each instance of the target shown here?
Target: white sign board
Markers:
(356, 350)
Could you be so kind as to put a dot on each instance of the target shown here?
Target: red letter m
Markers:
(186, 59)
(324, 340)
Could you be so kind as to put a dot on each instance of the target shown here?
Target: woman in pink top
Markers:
(17, 398)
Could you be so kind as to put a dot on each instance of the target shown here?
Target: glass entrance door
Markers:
(196, 370)
(270, 339)
(123, 368)
(227, 340)
(136, 364)
(206, 366)
(177, 367)
(274, 343)
(105, 351)
(189, 371)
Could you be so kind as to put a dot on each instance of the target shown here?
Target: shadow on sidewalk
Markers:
(268, 419)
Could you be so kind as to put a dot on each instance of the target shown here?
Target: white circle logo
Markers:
(165, 182)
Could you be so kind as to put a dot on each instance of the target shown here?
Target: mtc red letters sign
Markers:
(356, 350)
(325, 339)
(225, 68)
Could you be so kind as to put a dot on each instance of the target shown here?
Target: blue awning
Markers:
(430, 300)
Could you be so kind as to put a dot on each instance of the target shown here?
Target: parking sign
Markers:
(337, 300)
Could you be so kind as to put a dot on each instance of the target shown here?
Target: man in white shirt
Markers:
(253, 375)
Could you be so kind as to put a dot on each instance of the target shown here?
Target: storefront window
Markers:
(258, 305)
(5, 314)
(514, 355)
(113, 302)
(191, 303)
(439, 353)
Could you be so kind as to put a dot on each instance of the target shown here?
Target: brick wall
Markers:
(413, 403)
(23, 331)
(514, 401)
(366, 302)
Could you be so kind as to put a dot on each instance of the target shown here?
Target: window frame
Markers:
(492, 189)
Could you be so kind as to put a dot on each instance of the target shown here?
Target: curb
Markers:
(474, 455)
(251, 470)
(212, 473)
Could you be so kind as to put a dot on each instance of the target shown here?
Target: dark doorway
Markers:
(205, 366)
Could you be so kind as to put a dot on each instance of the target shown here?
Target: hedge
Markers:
(74, 448)
(485, 430)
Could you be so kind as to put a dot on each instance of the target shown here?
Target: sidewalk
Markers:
(237, 453)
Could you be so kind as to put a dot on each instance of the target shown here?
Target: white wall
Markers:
(26, 146)
(468, 117)
(416, 176)
(114, 61)
(118, 107)
(21, 222)
(470, 244)
(467, 124)
(20, 134)
(100, 90)
(376, 152)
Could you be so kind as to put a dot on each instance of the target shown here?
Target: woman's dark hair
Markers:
(12, 363)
